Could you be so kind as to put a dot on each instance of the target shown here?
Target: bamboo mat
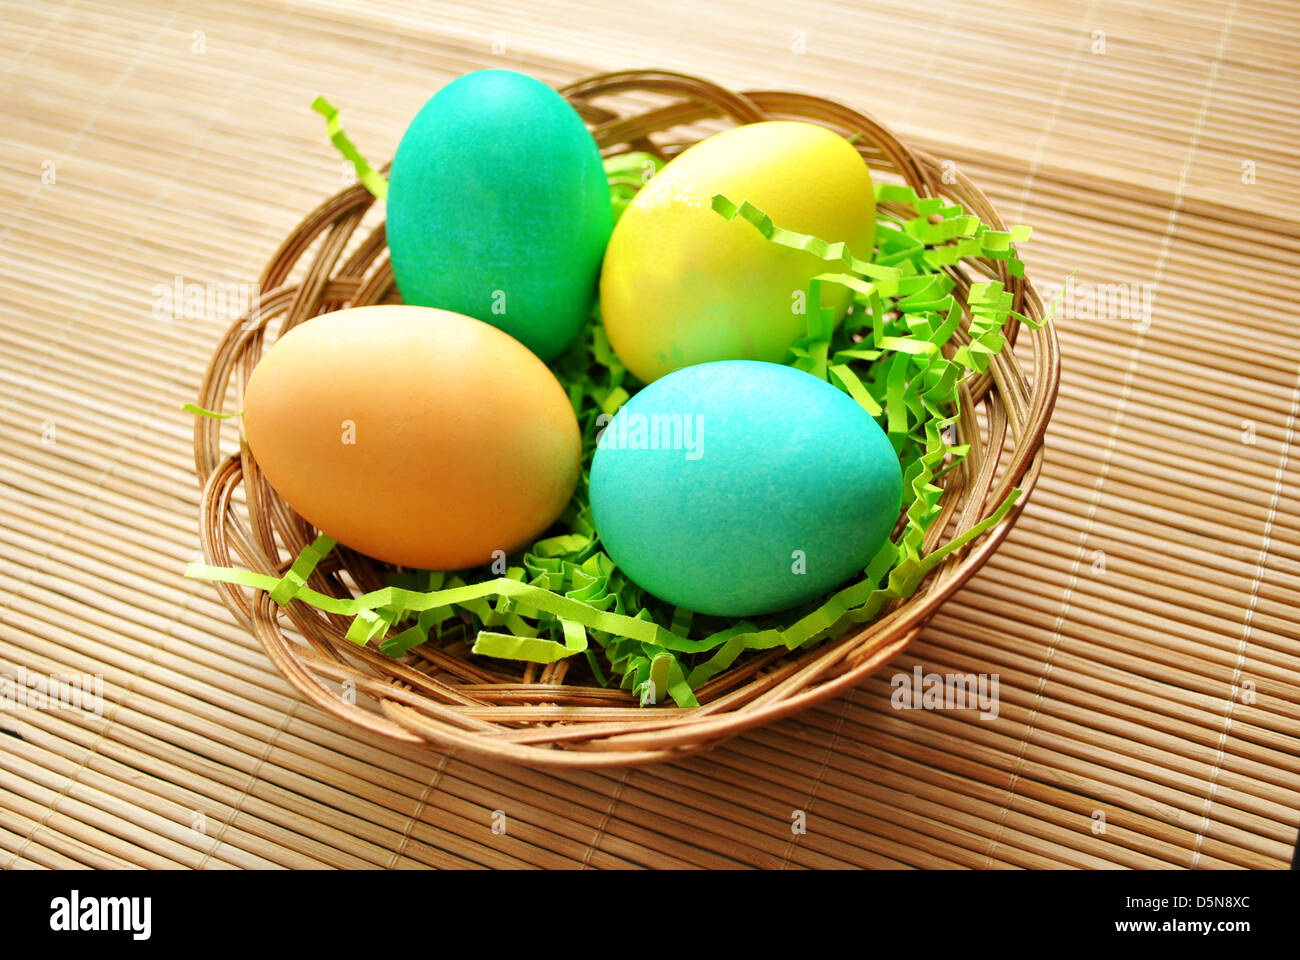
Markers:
(1142, 617)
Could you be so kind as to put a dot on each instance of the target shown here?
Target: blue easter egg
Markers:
(740, 487)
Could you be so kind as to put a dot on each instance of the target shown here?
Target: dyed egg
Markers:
(416, 436)
(739, 488)
(498, 208)
(682, 285)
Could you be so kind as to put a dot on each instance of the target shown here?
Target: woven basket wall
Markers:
(444, 698)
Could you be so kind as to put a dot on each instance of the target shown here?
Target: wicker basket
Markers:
(445, 699)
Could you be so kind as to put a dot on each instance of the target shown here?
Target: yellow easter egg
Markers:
(682, 285)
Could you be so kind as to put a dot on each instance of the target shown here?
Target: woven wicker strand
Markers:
(444, 698)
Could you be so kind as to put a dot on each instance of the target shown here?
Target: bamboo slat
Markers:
(1142, 617)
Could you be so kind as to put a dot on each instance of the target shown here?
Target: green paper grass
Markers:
(370, 178)
(563, 596)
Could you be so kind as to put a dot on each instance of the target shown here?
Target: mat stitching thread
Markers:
(218, 116)
(237, 807)
(1067, 80)
(419, 808)
(604, 821)
(196, 148)
(817, 780)
(93, 749)
(1268, 526)
(919, 83)
(70, 324)
(15, 220)
(1062, 89)
(127, 689)
(76, 141)
(36, 42)
(1030, 726)
(1121, 410)
(1247, 625)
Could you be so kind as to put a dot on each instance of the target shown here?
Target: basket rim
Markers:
(646, 741)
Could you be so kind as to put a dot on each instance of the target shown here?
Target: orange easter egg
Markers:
(417, 436)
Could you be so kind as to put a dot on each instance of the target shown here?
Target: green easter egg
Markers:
(498, 208)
